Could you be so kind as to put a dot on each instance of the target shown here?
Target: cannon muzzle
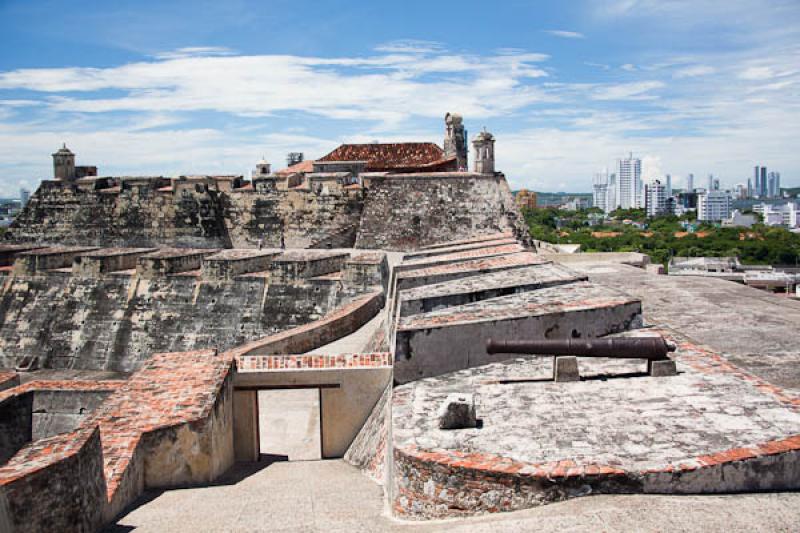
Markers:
(650, 348)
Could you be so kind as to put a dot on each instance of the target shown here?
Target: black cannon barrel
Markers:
(651, 348)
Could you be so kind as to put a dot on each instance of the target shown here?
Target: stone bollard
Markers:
(565, 368)
(662, 368)
(458, 412)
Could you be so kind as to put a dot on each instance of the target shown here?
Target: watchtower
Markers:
(484, 152)
(64, 164)
(263, 168)
(455, 140)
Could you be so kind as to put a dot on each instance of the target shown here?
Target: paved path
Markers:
(332, 496)
(356, 341)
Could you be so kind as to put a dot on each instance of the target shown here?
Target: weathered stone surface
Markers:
(414, 210)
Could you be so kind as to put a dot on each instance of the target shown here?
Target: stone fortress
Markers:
(141, 317)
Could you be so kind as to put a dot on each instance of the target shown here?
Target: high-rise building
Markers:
(756, 182)
(690, 183)
(714, 206)
(749, 188)
(24, 196)
(763, 191)
(710, 182)
(629, 190)
(669, 185)
(655, 199)
(600, 192)
(774, 184)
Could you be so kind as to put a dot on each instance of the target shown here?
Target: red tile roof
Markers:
(303, 166)
(389, 156)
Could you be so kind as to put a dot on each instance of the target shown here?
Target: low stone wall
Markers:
(368, 450)
(66, 494)
(342, 321)
(626, 258)
(16, 424)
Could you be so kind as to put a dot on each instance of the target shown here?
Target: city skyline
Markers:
(561, 87)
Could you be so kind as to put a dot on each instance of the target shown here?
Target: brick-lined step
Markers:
(431, 253)
(252, 363)
(470, 240)
(459, 256)
(445, 483)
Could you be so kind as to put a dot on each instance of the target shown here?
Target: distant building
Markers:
(690, 183)
(525, 199)
(655, 199)
(774, 184)
(602, 190)
(629, 191)
(740, 220)
(24, 196)
(785, 215)
(714, 206)
(669, 185)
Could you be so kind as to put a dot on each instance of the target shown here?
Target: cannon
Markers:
(653, 349)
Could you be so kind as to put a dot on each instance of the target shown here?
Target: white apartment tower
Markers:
(655, 199)
(629, 190)
(714, 206)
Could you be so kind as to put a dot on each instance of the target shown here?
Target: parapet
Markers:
(227, 264)
(106, 260)
(33, 261)
(302, 264)
(171, 261)
(8, 252)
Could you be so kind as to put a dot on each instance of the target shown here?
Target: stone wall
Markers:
(399, 213)
(16, 424)
(136, 213)
(415, 210)
(369, 448)
(116, 322)
(61, 411)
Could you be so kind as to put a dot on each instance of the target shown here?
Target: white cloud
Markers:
(566, 34)
(628, 67)
(383, 87)
(693, 71)
(193, 51)
(628, 91)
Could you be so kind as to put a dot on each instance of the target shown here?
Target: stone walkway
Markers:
(331, 496)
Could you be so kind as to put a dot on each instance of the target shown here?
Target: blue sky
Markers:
(168, 88)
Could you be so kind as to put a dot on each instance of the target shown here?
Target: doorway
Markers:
(289, 424)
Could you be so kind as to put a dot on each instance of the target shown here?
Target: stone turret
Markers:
(263, 168)
(484, 152)
(455, 141)
(64, 164)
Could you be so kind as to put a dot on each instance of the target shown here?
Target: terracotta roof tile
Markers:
(389, 156)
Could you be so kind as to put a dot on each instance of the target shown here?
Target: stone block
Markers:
(458, 412)
(662, 368)
(565, 368)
